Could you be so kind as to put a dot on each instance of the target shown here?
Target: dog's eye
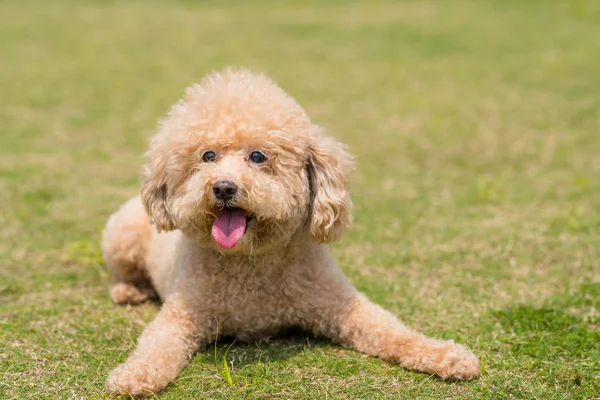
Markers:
(209, 156)
(257, 157)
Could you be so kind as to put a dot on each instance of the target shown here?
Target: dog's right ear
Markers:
(154, 185)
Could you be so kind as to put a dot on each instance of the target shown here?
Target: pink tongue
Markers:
(229, 227)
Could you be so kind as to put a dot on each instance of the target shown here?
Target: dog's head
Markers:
(237, 165)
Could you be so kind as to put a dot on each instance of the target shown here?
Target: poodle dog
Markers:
(240, 195)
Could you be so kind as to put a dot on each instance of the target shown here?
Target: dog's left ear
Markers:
(330, 207)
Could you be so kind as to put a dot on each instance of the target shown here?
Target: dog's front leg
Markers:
(163, 350)
(368, 328)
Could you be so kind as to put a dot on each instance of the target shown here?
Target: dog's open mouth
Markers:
(230, 226)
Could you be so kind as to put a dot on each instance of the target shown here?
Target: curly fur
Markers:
(280, 274)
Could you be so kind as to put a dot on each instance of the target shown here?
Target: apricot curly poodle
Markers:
(240, 194)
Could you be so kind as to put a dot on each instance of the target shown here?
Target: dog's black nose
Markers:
(224, 190)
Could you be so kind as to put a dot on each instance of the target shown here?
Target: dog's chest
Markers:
(251, 304)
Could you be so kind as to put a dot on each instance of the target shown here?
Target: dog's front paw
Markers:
(134, 378)
(458, 363)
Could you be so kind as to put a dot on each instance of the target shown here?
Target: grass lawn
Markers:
(476, 128)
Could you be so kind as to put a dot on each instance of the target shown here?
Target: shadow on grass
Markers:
(279, 348)
(558, 341)
(556, 329)
(548, 333)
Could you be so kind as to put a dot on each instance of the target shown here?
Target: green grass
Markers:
(476, 128)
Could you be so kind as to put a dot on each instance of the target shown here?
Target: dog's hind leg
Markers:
(125, 243)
